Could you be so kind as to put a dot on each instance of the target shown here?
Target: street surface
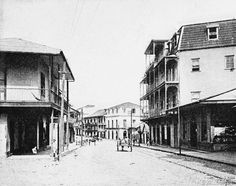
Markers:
(101, 164)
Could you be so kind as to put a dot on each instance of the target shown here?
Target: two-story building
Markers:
(33, 80)
(120, 120)
(188, 87)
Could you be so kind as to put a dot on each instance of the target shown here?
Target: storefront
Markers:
(210, 124)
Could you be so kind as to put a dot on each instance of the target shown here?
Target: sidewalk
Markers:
(72, 147)
(225, 157)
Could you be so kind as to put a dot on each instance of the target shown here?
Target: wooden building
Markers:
(31, 89)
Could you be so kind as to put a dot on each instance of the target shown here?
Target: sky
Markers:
(104, 40)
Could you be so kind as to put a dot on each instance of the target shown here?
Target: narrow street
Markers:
(101, 164)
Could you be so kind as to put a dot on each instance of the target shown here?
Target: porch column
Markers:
(172, 134)
(160, 134)
(145, 138)
(151, 134)
(3, 135)
(208, 120)
(51, 129)
(157, 132)
(38, 133)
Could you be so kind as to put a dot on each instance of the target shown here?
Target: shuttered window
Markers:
(229, 62)
(195, 96)
(195, 64)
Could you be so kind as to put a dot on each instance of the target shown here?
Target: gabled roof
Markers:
(125, 105)
(16, 45)
(194, 36)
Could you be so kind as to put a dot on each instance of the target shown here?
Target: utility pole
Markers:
(62, 111)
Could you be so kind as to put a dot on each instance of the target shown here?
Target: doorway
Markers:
(193, 133)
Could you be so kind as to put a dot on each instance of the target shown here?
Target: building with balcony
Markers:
(118, 120)
(182, 75)
(94, 124)
(31, 89)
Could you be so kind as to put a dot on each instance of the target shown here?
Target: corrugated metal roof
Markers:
(20, 45)
(194, 36)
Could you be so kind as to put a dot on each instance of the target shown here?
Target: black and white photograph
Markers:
(117, 92)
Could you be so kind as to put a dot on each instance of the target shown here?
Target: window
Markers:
(124, 123)
(134, 121)
(229, 62)
(195, 64)
(195, 96)
(212, 32)
(117, 124)
(117, 110)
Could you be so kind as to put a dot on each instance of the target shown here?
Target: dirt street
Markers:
(101, 164)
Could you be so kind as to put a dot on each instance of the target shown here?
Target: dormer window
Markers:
(212, 32)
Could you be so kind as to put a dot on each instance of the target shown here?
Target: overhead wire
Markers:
(77, 18)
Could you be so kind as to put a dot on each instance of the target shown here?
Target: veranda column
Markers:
(160, 134)
(38, 133)
(157, 132)
(3, 134)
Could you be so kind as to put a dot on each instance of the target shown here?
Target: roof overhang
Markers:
(157, 43)
(19, 46)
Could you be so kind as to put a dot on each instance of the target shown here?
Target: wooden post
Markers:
(51, 130)
(67, 125)
(38, 134)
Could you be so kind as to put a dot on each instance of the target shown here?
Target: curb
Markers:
(187, 155)
(230, 178)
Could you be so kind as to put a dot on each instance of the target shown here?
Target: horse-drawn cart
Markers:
(124, 143)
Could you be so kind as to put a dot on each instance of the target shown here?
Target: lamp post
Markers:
(82, 122)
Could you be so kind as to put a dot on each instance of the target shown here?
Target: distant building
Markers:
(94, 124)
(31, 96)
(118, 120)
(188, 86)
(73, 124)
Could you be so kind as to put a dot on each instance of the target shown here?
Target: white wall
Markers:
(212, 78)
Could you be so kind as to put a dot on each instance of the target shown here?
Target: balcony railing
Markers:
(30, 94)
(150, 59)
